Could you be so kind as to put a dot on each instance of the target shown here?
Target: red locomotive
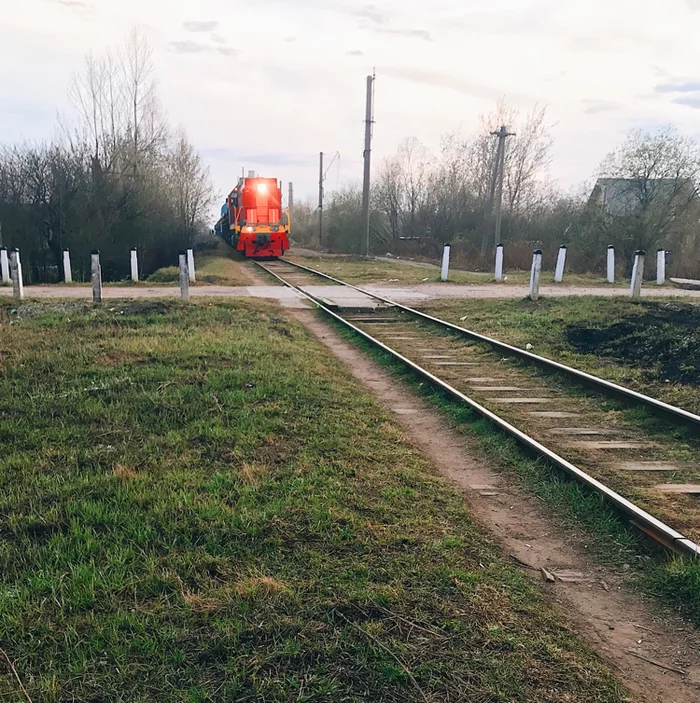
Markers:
(252, 219)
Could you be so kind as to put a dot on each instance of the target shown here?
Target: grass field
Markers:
(220, 266)
(198, 504)
(651, 346)
(359, 271)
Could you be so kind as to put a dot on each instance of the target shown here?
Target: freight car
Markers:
(252, 219)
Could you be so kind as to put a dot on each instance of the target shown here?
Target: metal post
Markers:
(561, 263)
(17, 280)
(4, 265)
(367, 155)
(498, 274)
(184, 277)
(134, 265)
(190, 265)
(611, 264)
(445, 262)
(660, 267)
(320, 199)
(290, 203)
(96, 275)
(535, 275)
(67, 273)
(637, 274)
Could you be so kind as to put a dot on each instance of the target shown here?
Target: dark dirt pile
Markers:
(664, 339)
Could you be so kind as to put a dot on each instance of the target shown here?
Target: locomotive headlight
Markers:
(262, 187)
(250, 229)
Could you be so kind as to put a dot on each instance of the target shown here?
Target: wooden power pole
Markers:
(502, 134)
(496, 191)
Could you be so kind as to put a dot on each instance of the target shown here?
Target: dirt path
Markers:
(417, 293)
(614, 621)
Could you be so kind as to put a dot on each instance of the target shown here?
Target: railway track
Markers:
(567, 418)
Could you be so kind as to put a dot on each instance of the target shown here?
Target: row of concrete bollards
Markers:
(11, 270)
(637, 273)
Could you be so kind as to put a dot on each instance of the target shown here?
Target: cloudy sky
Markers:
(267, 84)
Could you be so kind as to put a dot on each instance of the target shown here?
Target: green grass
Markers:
(199, 504)
(167, 274)
(650, 346)
(357, 271)
(221, 266)
(581, 514)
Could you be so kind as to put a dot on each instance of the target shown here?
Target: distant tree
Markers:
(113, 178)
(344, 220)
(304, 223)
(402, 191)
(647, 196)
(528, 156)
(190, 182)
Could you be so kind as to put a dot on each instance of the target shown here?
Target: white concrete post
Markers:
(498, 273)
(660, 267)
(17, 280)
(611, 264)
(637, 274)
(4, 265)
(67, 274)
(535, 275)
(561, 263)
(96, 275)
(184, 277)
(134, 266)
(445, 262)
(190, 265)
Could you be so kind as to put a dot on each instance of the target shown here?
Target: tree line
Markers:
(114, 176)
(645, 197)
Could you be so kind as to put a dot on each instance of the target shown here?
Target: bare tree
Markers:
(648, 195)
(402, 191)
(389, 198)
(191, 184)
(111, 179)
(147, 127)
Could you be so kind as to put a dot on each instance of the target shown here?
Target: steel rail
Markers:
(657, 530)
(670, 410)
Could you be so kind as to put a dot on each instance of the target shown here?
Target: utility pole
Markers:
(320, 200)
(488, 210)
(502, 134)
(321, 179)
(369, 121)
(290, 203)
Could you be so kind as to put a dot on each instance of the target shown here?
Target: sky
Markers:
(268, 84)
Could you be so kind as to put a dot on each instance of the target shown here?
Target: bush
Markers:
(169, 274)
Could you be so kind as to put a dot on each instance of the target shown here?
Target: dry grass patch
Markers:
(125, 473)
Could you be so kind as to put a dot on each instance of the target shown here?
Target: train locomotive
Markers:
(252, 219)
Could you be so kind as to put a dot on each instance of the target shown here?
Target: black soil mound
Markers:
(664, 340)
